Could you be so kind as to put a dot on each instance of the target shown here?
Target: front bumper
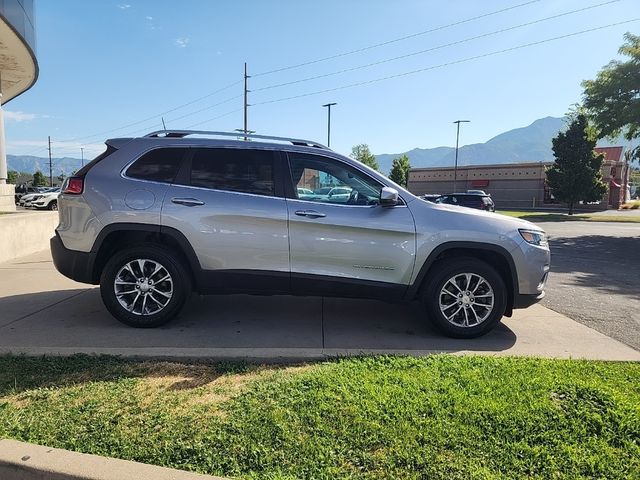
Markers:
(72, 264)
(524, 300)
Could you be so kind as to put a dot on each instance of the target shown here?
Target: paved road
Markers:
(41, 312)
(595, 276)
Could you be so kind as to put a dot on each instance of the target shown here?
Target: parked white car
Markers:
(25, 200)
(48, 200)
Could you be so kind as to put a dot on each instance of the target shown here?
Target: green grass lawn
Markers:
(440, 417)
(563, 217)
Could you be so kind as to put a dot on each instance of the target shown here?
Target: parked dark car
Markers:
(471, 200)
(430, 197)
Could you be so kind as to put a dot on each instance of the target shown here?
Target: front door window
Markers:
(321, 179)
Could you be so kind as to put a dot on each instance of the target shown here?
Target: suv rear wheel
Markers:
(144, 286)
(465, 297)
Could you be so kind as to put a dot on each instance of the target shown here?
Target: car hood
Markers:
(468, 219)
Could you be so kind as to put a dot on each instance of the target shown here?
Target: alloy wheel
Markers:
(466, 300)
(143, 287)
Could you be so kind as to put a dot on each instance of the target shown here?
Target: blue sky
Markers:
(105, 65)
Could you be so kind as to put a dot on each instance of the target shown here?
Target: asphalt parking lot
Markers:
(595, 276)
(41, 312)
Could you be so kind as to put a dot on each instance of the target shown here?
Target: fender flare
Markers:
(175, 234)
(413, 290)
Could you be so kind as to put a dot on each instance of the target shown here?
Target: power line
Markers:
(32, 152)
(102, 133)
(395, 40)
(215, 118)
(442, 65)
(156, 116)
(458, 42)
(146, 129)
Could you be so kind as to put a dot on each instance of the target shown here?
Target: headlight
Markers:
(534, 237)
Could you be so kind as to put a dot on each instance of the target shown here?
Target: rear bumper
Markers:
(72, 264)
(526, 300)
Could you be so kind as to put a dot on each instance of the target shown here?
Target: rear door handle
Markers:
(310, 214)
(188, 202)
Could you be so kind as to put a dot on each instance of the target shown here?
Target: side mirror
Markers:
(388, 196)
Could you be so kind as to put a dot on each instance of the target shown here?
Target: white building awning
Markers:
(18, 66)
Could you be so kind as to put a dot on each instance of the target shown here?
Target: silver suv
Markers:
(154, 218)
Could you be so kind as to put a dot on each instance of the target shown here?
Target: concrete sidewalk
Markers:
(41, 312)
(26, 461)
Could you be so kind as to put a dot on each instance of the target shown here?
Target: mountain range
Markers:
(520, 145)
(527, 144)
(31, 164)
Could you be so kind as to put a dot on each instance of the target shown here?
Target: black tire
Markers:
(179, 282)
(53, 205)
(440, 275)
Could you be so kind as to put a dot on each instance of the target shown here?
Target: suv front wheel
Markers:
(465, 297)
(144, 286)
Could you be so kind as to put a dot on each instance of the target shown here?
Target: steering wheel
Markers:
(353, 197)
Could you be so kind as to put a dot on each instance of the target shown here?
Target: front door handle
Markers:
(187, 202)
(310, 213)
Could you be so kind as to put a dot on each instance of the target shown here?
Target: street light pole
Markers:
(81, 157)
(329, 105)
(455, 168)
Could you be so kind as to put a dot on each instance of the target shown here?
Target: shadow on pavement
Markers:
(606, 263)
(285, 324)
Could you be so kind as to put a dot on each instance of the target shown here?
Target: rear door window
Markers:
(234, 170)
(159, 165)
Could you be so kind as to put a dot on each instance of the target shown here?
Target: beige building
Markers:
(517, 185)
(18, 73)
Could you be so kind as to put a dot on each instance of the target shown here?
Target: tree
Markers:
(363, 154)
(39, 180)
(12, 176)
(612, 100)
(400, 170)
(576, 175)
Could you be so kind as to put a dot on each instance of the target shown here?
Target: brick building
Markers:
(518, 185)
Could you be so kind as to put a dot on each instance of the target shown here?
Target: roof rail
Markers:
(185, 133)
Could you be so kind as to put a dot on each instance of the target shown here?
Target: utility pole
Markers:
(329, 105)
(245, 132)
(81, 157)
(50, 165)
(455, 168)
(246, 92)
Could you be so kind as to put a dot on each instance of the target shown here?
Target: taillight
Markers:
(74, 185)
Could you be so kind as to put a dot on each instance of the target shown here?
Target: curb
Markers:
(26, 461)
